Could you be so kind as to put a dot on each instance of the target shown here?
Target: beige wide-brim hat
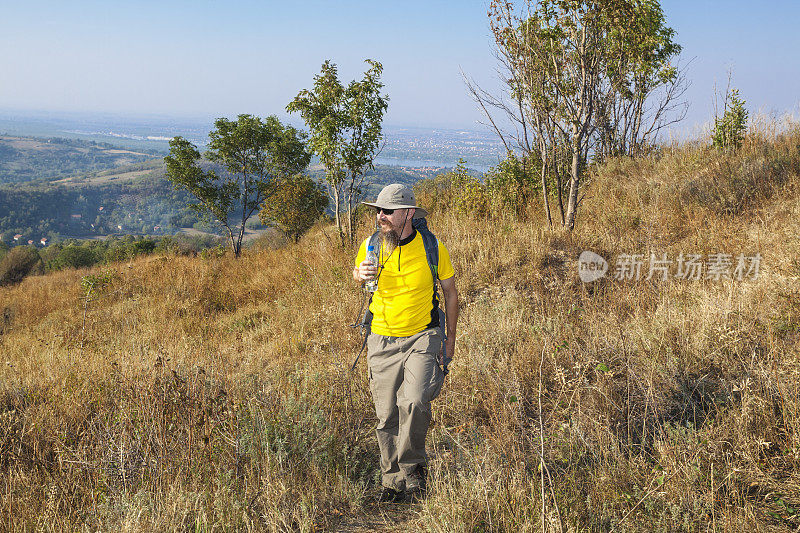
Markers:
(398, 196)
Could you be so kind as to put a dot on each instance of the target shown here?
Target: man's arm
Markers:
(451, 309)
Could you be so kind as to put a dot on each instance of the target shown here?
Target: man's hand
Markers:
(450, 344)
(366, 271)
(449, 348)
(451, 305)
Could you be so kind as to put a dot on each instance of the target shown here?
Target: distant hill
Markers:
(132, 199)
(40, 159)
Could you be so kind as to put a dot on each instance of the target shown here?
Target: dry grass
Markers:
(213, 394)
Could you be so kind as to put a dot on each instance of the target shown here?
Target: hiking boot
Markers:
(390, 495)
(417, 483)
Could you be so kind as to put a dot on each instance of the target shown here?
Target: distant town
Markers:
(412, 147)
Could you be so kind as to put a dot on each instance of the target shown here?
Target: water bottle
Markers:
(372, 284)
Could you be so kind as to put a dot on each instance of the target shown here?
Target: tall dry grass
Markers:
(214, 394)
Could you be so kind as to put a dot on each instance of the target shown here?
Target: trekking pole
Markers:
(366, 319)
(364, 330)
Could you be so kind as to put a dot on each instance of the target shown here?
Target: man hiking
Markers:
(404, 346)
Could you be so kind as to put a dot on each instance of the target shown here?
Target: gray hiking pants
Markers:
(404, 376)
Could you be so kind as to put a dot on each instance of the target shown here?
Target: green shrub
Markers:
(18, 263)
(128, 248)
(729, 129)
(142, 247)
(472, 197)
(508, 187)
(186, 244)
(433, 193)
(456, 190)
(213, 253)
(512, 184)
(74, 256)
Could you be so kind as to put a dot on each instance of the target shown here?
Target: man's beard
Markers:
(390, 239)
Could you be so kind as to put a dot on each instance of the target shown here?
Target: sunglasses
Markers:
(385, 211)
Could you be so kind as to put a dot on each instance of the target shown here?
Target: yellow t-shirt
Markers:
(402, 305)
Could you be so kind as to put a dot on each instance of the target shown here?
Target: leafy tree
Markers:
(364, 107)
(322, 109)
(345, 126)
(252, 153)
(295, 205)
(642, 89)
(579, 75)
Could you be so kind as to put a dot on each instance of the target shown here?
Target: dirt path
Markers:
(379, 517)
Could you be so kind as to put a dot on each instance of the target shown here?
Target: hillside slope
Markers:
(41, 159)
(215, 393)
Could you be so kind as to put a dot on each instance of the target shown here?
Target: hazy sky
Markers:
(208, 59)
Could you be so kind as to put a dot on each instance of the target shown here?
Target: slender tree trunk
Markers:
(542, 145)
(237, 249)
(239, 243)
(233, 241)
(545, 193)
(636, 143)
(559, 185)
(575, 178)
(350, 235)
(337, 212)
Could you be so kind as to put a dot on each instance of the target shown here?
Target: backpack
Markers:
(431, 244)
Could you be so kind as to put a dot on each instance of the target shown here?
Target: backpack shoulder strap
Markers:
(431, 244)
